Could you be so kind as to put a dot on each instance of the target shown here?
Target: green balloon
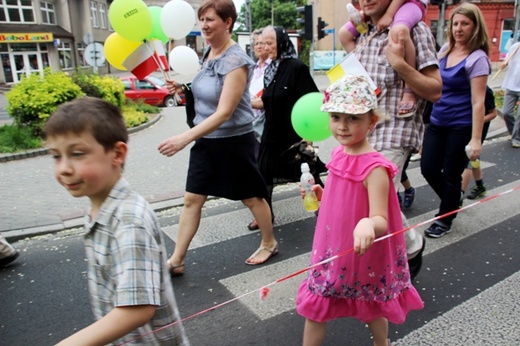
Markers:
(131, 19)
(157, 31)
(308, 120)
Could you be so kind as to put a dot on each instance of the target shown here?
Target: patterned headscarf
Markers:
(284, 50)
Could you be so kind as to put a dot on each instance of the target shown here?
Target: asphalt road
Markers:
(469, 281)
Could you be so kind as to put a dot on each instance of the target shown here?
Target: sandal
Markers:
(272, 252)
(406, 109)
(172, 268)
(253, 226)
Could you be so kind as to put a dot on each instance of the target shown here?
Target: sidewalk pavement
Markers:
(29, 183)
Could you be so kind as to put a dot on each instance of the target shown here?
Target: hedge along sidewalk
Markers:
(6, 157)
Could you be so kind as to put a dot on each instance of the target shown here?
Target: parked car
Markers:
(151, 90)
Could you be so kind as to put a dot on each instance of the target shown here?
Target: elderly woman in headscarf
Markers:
(286, 79)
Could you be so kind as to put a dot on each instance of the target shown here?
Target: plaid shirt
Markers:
(126, 265)
(393, 132)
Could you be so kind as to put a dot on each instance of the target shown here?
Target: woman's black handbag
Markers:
(190, 104)
(301, 152)
(188, 94)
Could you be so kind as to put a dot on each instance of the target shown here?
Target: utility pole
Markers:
(249, 25)
(272, 12)
(516, 37)
(440, 23)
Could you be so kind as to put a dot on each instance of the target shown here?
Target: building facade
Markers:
(499, 16)
(35, 34)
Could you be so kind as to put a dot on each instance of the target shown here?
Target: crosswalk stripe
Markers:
(481, 317)
(282, 296)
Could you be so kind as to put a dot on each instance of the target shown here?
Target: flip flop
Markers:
(272, 252)
(406, 109)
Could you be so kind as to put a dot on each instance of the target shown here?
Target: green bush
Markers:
(36, 97)
(107, 88)
(133, 117)
(139, 105)
(14, 138)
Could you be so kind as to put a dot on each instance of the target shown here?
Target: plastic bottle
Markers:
(473, 163)
(355, 18)
(310, 201)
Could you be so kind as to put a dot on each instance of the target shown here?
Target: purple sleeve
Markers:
(477, 64)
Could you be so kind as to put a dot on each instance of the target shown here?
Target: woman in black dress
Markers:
(286, 79)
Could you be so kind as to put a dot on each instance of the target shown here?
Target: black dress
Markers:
(292, 81)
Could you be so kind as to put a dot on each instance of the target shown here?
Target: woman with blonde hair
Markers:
(457, 118)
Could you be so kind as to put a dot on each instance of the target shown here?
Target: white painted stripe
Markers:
(281, 297)
(490, 318)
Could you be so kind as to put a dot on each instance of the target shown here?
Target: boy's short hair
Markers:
(101, 118)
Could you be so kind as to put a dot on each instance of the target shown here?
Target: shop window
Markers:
(94, 14)
(16, 11)
(65, 56)
(48, 12)
(103, 15)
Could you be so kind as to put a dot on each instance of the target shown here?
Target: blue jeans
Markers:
(442, 163)
(513, 126)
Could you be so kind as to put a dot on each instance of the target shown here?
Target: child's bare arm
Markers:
(491, 115)
(116, 324)
(387, 19)
(367, 229)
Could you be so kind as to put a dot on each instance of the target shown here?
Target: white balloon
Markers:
(177, 19)
(184, 60)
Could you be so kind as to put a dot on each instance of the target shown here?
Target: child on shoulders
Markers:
(401, 16)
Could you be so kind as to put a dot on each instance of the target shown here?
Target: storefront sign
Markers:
(26, 37)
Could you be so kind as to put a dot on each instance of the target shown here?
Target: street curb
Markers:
(78, 222)
(44, 151)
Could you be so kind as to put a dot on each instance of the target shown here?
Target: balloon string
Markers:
(298, 272)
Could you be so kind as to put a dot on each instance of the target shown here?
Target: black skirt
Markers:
(225, 167)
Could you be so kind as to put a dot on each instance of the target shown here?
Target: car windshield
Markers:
(157, 81)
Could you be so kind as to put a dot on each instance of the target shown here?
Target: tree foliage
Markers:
(284, 14)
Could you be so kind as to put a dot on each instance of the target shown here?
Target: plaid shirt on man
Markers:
(393, 132)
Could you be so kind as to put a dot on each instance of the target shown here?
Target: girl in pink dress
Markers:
(358, 204)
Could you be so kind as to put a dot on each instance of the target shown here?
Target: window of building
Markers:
(48, 12)
(65, 55)
(103, 15)
(81, 53)
(16, 11)
(94, 14)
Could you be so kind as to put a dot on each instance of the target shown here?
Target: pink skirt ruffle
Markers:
(323, 309)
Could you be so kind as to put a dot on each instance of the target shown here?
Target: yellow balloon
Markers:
(130, 19)
(118, 48)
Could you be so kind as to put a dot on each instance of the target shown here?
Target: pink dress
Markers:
(366, 287)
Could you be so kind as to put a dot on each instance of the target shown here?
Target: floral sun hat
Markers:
(349, 95)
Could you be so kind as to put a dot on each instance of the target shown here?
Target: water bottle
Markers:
(473, 163)
(355, 18)
(310, 201)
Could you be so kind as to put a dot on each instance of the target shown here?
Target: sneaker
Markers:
(409, 197)
(477, 191)
(6, 260)
(436, 230)
(415, 157)
(515, 145)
